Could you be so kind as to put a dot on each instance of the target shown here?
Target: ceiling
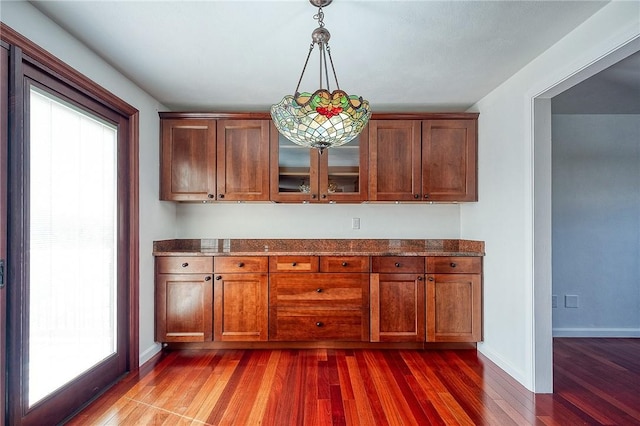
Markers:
(245, 55)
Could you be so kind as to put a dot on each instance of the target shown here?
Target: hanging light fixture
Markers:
(321, 119)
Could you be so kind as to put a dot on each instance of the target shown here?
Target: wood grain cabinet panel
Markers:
(454, 299)
(240, 306)
(184, 301)
(187, 160)
(243, 160)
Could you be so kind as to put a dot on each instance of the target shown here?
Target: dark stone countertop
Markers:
(326, 247)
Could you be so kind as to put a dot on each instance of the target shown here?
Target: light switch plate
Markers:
(554, 301)
(570, 301)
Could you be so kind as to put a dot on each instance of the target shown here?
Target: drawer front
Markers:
(344, 264)
(398, 264)
(184, 264)
(318, 324)
(318, 290)
(454, 265)
(293, 264)
(240, 264)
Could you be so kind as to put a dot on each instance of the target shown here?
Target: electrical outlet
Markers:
(570, 301)
(355, 223)
(554, 301)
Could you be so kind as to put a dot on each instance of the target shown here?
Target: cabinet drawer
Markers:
(398, 264)
(344, 264)
(293, 264)
(287, 324)
(240, 264)
(318, 290)
(184, 264)
(454, 265)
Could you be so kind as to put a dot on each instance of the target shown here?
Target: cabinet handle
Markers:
(431, 279)
(318, 290)
(344, 263)
(294, 264)
(324, 195)
(185, 264)
(220, 195)
(453, 265)
(219, 277)
(313, 196)
(426, 195)
(416, 196)
(420, 278)
(240, 265)
(319, 324)
(397, 264)
(209, 195)
(207, 278)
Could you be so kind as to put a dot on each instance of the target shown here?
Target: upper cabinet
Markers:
(214, 160)
(300, 174)
(423, 160)
(420, 157)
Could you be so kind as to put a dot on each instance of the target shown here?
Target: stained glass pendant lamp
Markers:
(321, 119)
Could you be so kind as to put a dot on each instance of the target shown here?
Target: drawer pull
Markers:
(344, 263)
(397, 264)
(219, 277)
(453, 265)
(318, 290)
(294, 264)
(420, 278)
(185, 264)
(431, 279)
(220, 195)
(209, 195)
(319, 324)
(207, 278)
(240, 265)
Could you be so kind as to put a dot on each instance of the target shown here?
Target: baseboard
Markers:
(596, 332)
(150, 353)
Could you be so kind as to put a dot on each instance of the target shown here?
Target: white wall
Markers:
(267, 220)
(596, 224)
(155, 217)
(505, 218)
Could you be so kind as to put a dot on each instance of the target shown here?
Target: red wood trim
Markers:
(267, 116)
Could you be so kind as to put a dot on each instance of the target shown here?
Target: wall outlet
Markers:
(355, 223)
(554, 301)
(570, 301)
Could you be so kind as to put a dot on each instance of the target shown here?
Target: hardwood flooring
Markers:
(597, 381)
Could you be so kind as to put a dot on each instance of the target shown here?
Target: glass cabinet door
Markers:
(300, 174)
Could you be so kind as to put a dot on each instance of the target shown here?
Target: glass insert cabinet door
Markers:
(306, 175)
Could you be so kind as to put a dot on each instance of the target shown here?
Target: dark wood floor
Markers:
(597, 381)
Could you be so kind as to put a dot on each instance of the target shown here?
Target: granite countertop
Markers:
(329, 247)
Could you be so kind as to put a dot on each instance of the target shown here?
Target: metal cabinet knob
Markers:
(294, 264)
(420, 278)
(209, 195)
(220, 195)
(240, 265)
(207, 278)
(397, 264)
(416, 196)
(185, 264)
(219, 277)
(319, 324)
(318, 290)
(453, 265)
(344, 263)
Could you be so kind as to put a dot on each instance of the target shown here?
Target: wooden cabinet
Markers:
(240, 311)
(397, 299)
(184, 291)
(454, 299)
(300, 174)
(214, 160)
(423, 160)
(187, 160)
(332, 304)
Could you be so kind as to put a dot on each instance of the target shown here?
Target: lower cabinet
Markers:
(240, 291)
(318, 298)
(184, 299)
(454, 299)
(397, 299)
(331, 304)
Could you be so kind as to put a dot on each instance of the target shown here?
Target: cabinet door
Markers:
(397, 308)
(188, 160)
(294, 170)
(243, 160)
(344, 171)
(240, 307)
(449, 160)
(454, 308)
(184, 307)
(394, 160)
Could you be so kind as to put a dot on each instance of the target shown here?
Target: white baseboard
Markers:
(149, 353)
(596, 332)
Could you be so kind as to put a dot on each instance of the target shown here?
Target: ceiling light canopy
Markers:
(321, 119)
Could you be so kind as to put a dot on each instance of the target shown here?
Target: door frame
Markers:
(35, 55)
